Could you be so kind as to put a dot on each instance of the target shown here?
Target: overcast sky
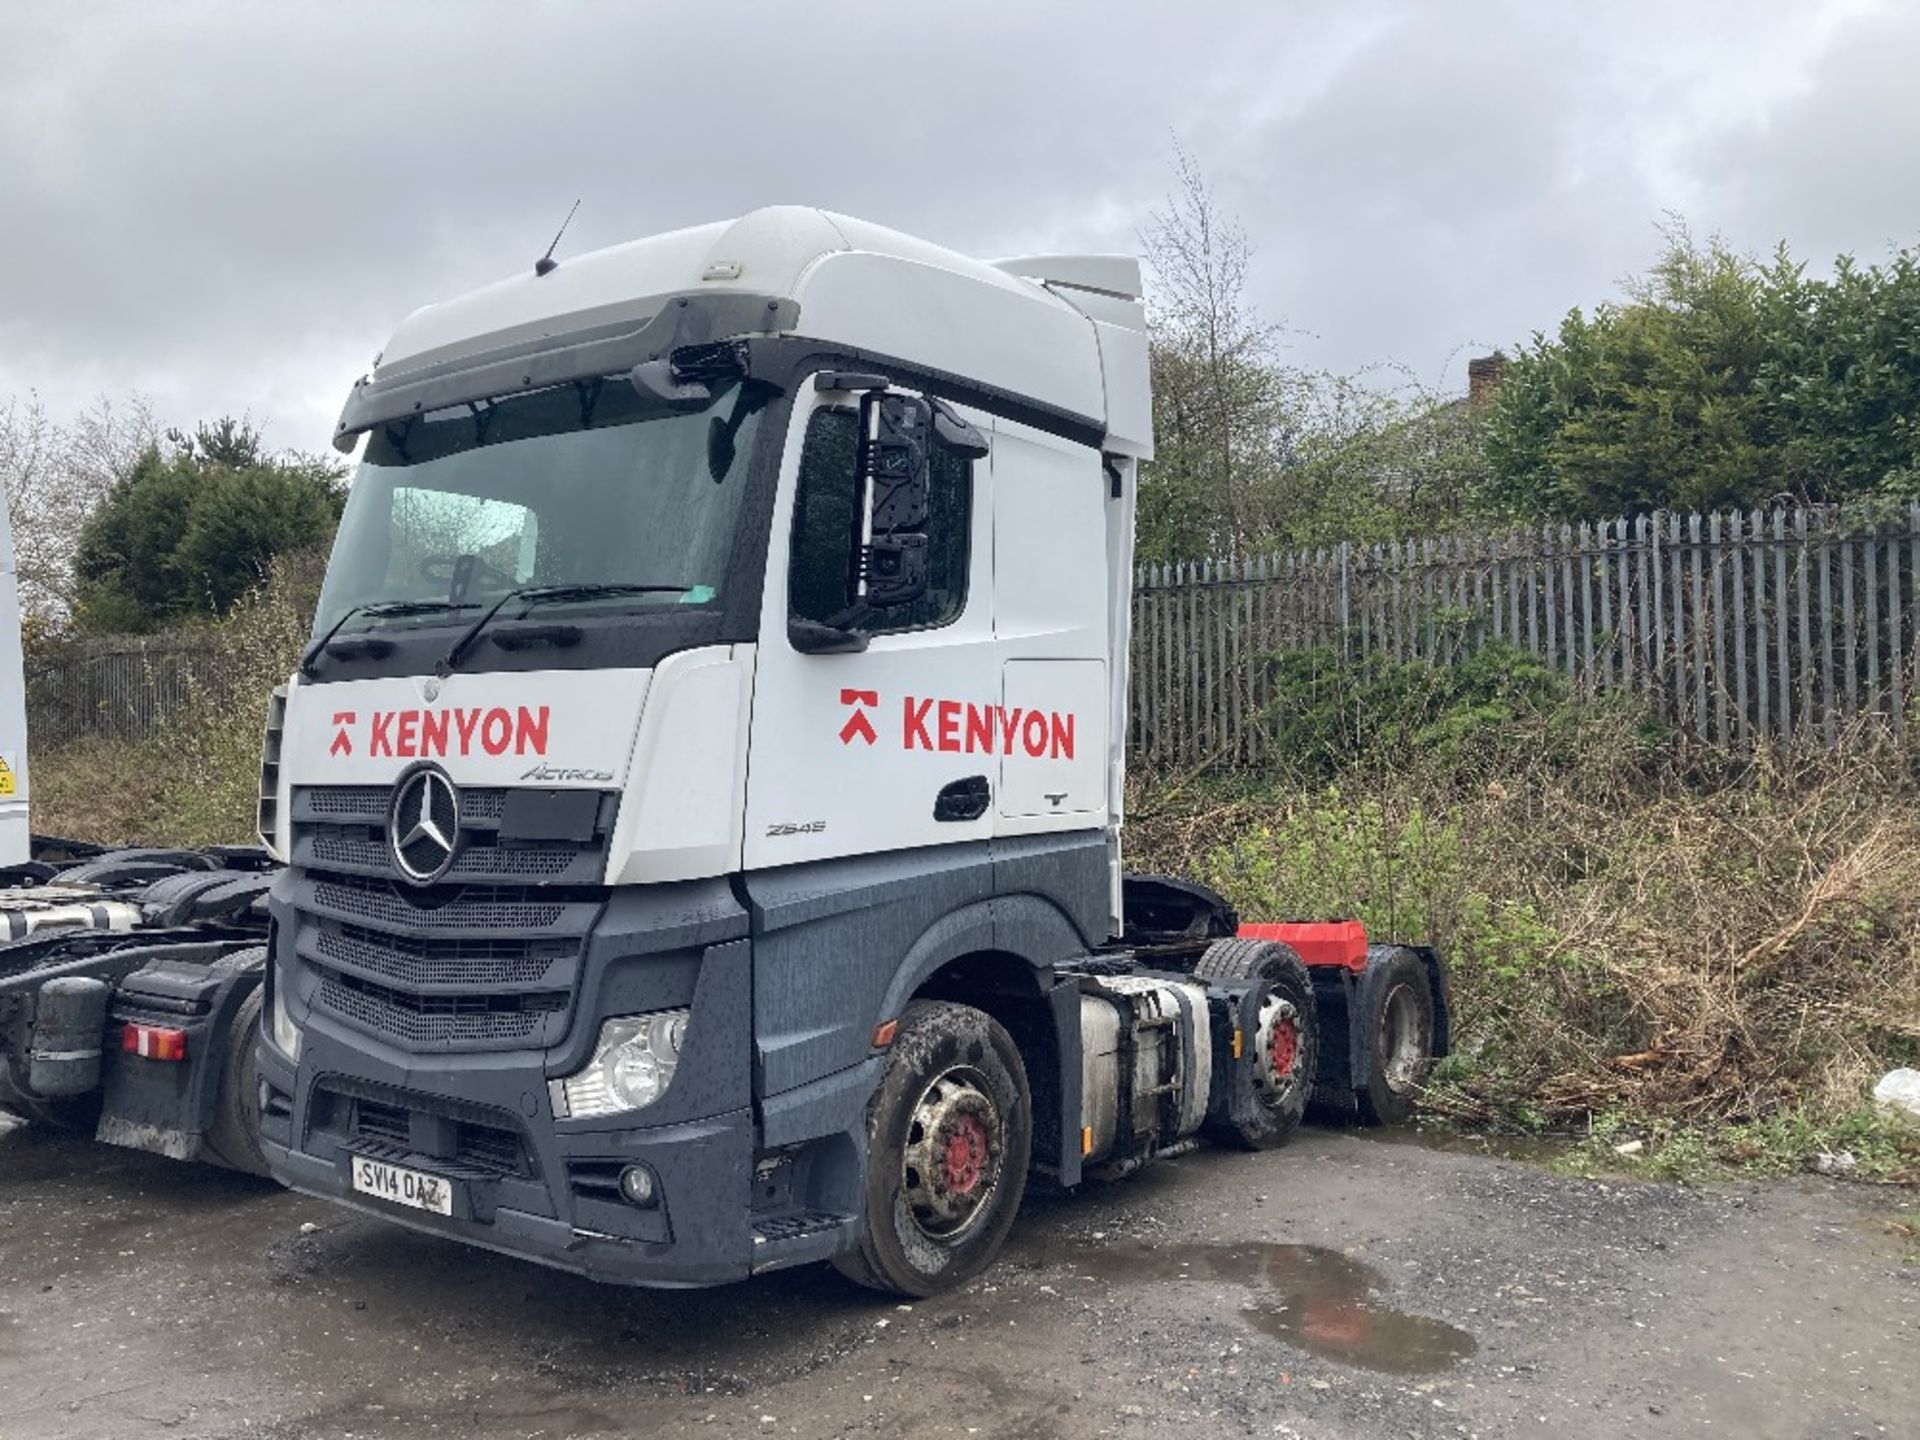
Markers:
(227, 207)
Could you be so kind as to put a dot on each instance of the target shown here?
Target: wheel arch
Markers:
(999, 956)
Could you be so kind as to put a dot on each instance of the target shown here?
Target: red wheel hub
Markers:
(964, 1159)
(1284, 1048)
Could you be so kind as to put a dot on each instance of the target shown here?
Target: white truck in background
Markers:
(16, 834)
(701, 801)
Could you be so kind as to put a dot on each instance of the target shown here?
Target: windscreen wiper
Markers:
(375, 607)
(534, 595)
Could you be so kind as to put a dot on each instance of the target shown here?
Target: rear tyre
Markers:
(234, 1136)
(949, 1135)
(1400, 1052)
(1286, 1040)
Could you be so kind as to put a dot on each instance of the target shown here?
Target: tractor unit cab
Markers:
(702, 795)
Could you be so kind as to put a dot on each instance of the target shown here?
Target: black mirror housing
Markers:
(896, 437)
(655, 379)
(896, 570)
(895, 463)
(959, 435)
(811, 637)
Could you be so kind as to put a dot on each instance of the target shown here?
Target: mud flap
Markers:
(1233, 1008)
(166, 1107)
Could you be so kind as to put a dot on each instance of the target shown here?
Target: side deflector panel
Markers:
(681, 816)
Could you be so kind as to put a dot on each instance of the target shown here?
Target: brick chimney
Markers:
(1483, 378)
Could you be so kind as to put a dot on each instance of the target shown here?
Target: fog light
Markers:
(636, 1183)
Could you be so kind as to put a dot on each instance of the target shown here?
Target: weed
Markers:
(197, 781)
(1715, 954)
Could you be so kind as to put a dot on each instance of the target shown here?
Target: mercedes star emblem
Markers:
(424, 824)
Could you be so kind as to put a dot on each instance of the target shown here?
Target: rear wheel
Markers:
(1286, 1038)
(949, 1135)
(1400, 1027)
(234, 1135)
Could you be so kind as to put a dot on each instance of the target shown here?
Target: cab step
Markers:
(798, 1237)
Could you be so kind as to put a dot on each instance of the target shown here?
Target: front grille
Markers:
(439, 1019)
(371, 803)
(476, 963)
(596, 1179)
(388, 1123)
(450, 1137)
(368, 800)
(479, 1147)
(338, 847)
(425, 1027)
(486, 958)
(472, 907)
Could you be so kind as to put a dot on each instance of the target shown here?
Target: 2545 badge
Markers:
(780, 829)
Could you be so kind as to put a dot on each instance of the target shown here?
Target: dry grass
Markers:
(103, 790)
(1713, 943)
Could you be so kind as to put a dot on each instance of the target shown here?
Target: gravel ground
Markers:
(1344, 1287)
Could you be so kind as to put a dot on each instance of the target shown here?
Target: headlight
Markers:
(286, 1034)
(631, 1067)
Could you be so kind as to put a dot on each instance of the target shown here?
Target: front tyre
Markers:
(949, 1135)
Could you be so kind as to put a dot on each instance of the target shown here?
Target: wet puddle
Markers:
(1316, 1299)
(1533, 1149)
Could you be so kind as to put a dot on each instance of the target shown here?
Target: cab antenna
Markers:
(546, 264)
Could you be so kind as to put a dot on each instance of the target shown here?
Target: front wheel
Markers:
(949, 1135)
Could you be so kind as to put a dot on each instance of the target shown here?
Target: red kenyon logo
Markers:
(456, 731)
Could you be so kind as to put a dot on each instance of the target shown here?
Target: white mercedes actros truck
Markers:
(701, 800)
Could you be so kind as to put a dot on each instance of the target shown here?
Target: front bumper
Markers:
(475, 1111)
(522, 1184)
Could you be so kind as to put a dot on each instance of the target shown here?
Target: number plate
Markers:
(402, 1187)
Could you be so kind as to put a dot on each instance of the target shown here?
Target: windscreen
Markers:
(579, 484)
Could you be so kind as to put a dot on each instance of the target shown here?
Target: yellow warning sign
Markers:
(7, 782)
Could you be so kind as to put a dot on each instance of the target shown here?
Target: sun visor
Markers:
(557, 359)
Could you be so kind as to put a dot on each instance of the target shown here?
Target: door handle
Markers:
(963, 800)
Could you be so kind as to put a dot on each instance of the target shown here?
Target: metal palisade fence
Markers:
(1792, 624)
(124, 687)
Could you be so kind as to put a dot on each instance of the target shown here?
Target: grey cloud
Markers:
(228, 206)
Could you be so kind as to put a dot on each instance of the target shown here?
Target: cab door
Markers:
(894, 747)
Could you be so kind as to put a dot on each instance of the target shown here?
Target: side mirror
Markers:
(810, 637)
(685, 378)
(896, 436)
(656, 380)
